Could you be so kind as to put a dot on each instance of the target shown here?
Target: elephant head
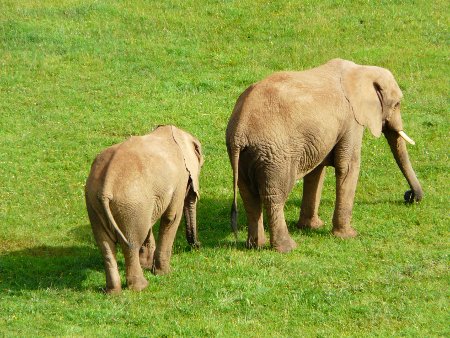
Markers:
(374, 97)
(193, 160)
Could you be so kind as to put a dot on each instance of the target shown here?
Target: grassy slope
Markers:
(76, 76)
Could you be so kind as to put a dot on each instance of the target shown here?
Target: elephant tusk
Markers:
(406, 137)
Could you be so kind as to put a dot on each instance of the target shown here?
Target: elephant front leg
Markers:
(346, 181)
(167, 231)
(147, 250)
(312, 190)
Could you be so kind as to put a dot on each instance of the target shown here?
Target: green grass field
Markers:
(77, 76)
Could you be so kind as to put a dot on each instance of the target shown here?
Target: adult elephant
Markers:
(133, 184)
(294, 124)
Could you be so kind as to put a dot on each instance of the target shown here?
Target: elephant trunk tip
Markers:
(406, 137)
(412, 196)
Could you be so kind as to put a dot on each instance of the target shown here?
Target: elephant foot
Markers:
(137, 283)
(146, 265)
(310, 223)
(146, 262)
(195, 245)
(255, 243)
(113, 291)
(160, 270)
(345, 232)
(285, 245)
(146, 257)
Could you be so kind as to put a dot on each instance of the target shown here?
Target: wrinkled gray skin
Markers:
(133, 184)
(294, 124)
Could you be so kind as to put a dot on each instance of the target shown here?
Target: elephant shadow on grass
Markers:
(326, 213)
(71, 267)
(327, 205)
(43, 267)
(213, 225)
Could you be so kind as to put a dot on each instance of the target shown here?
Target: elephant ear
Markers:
(365, 88)
(192, 154)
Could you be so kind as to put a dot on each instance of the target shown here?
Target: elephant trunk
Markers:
(190, 215)
(396, 139)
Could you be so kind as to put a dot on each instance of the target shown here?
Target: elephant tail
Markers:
(234, 156)
(105, 202)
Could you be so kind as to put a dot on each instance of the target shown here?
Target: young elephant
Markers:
(293, 124)
(133, 184)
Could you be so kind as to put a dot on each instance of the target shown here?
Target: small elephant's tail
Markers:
(234, 157)
(105, 202)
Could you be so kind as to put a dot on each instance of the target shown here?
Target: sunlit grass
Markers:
(78, 76)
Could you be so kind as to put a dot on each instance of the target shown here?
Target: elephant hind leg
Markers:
(274, 189)
(108, 249)
(135, 277)
(135, 221)
(280, 239)
(253, 208)
(113, 283)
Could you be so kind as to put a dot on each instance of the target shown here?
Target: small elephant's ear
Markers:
(363, 88)
(192, 154)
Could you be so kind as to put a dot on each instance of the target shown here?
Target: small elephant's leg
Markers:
(346, 181)
(312, 190)
(113, 283)
(253, 209)
(147, 250)
(135, 277)
(167, 232)
(134, 220)
(108, 250)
